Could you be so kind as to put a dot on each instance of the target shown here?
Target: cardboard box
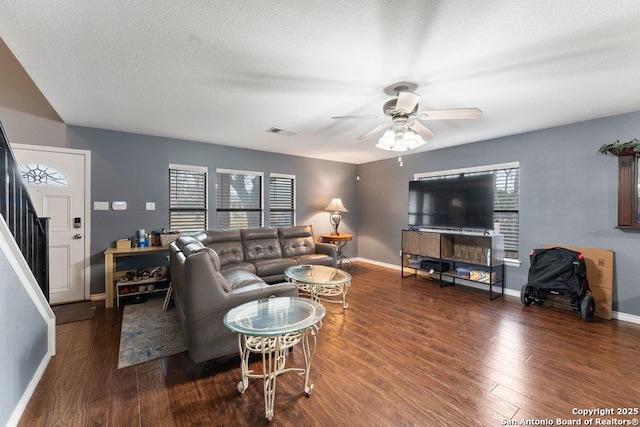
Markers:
(123, 244)
(600, 276)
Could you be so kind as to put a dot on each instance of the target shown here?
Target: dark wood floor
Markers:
(405, 353)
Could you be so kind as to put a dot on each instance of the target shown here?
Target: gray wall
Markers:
(568, 196)
(568, 190)
(23, 339)
(24, 128)
(134, 168)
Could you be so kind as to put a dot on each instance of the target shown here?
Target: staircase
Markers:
(29, 231)
(28, 332)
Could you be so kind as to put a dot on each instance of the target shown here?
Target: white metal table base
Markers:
(274, 357)
(319, 292)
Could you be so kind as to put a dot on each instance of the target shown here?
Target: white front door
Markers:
(56, 180)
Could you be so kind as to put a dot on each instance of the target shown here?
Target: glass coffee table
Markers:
(271, 326)
(321, 282)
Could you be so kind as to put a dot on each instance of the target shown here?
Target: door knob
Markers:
(77, 236)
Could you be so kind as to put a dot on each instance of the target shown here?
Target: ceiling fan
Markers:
(404, 114)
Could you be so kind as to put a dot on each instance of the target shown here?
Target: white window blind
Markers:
(239, 199)
(282, 204)
(506, 207)
(187, 198)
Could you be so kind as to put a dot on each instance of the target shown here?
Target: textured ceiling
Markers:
(224, 72)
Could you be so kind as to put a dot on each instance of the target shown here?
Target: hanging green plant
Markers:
(618, 147)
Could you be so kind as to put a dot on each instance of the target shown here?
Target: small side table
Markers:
(270, 327)
(320, 282)
(340, 240)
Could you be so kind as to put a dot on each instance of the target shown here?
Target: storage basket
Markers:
(168, 238)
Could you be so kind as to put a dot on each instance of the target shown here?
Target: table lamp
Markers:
(335, 207)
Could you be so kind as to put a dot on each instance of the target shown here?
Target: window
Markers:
(239, 199)
(39, 174)
(187, 198)
(282, 200)
(506, 210)
(628, 191)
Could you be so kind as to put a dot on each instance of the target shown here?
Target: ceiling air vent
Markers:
(283, 132)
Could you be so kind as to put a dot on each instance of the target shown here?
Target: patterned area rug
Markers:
(149, 333)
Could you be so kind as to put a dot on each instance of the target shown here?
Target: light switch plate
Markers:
(119, 206)
(151, 206)
(100, 206)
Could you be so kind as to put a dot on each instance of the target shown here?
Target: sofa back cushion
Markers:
(192, 248)
(227, 244)
(297, 240)
(183, 241)
(260, 243)
(201, 269)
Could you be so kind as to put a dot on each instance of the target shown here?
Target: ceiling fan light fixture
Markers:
(412, 140)
(405, 132)
(395, 147)
(409, 141)
(387, 141)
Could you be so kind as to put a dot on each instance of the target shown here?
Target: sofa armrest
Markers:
(285, 289)
(328, 249)
(207, 293)
(207, 302)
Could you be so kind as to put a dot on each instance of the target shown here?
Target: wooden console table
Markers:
(110, 257)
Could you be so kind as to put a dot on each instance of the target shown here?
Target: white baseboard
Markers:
(378, 263)
(624, 317)
(28, 393)
(17, 262)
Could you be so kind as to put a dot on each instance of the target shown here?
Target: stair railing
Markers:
(30, 231)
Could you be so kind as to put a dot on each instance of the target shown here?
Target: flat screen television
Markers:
(461, 202)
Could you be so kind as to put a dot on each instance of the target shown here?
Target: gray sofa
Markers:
(203, 295)
(268, 251)
(214, 271)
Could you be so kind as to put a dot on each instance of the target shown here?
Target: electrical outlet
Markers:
(400, 252)
(151, 206)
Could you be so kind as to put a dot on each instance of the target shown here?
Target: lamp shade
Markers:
(336, 206)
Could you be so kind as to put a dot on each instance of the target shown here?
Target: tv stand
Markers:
(458, 257)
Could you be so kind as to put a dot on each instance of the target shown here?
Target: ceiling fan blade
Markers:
(374, 131)
(359, 117)
(452, 114)
(407, 101)
(422, 130)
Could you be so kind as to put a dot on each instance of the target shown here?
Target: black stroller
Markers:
(559, 272)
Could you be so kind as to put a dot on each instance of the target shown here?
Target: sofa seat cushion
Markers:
(243, 280)
(314, 259)
(272, 267)
(246, 266)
